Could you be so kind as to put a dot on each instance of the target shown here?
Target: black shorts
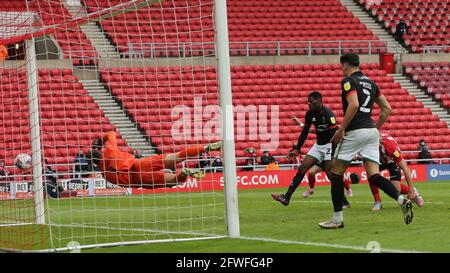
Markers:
(394, 171)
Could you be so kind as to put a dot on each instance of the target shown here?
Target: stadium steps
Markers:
(117, 116)
(93, 33)
(422, 97)
(371, 24)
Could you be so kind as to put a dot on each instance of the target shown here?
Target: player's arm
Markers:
(411, 192)
(332, 126)
(301, 140)
(331, 120)
(352, 109)
(402, 164)
(393, 151)
(385, 110)
(303, 136)
(301, 124)
(351, 96)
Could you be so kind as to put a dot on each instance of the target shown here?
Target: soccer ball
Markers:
(23, 161)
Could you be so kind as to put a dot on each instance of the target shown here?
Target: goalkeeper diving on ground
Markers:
(124, 169)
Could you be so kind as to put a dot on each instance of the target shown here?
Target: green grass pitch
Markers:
(265, 225)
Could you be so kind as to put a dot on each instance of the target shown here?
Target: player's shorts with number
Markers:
(362, 142)
(321, 152)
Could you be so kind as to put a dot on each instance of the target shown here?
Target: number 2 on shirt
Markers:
(363, 108)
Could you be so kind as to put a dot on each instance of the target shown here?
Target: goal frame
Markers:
(228, 152)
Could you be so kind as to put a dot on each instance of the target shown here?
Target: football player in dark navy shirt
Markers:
(324, 122)
(358, 135)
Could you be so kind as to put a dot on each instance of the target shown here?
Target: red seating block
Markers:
(287, 86)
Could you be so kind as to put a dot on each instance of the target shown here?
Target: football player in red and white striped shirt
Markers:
(392, 160)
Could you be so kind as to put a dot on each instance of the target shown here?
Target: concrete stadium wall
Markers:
(298, 59)
(253, 60)
(147, 62)
(41, 64)
(211, 61)
(423, 58)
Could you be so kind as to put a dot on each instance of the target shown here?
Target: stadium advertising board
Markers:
(438, 172)
(16, 190)
(273, 179)
(212, 181)
(83, 187)
(92, 187)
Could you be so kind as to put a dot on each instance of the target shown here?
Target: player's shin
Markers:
(387, 187)
(375, 191)
(337, 195)
(404, 189)
(312, 180)
(295, 183)
(347, 184)
(191, 152)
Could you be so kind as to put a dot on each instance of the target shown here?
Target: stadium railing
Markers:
(153, 50)
(435, 49)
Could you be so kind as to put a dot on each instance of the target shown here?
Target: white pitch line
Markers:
(327, 245)
(14, 224)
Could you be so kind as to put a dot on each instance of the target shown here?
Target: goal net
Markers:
(77, 70)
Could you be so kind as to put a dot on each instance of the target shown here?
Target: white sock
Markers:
(339, 216)
(401, 199)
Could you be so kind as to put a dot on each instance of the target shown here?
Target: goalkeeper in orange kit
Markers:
(3, 52)
(124, 169)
